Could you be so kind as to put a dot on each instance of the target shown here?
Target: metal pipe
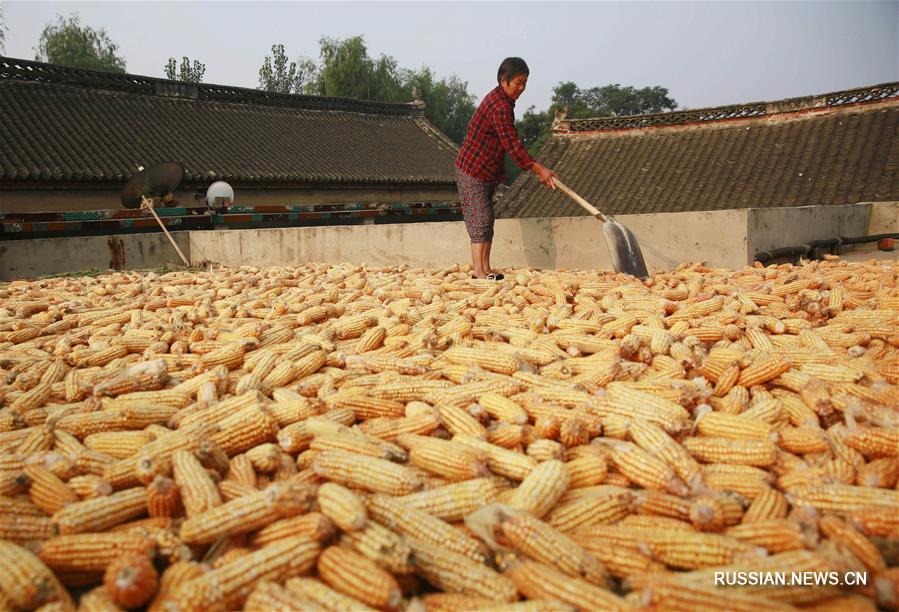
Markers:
(814, 245)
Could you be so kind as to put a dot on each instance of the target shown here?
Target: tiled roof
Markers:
(64, 125)
(838, 148)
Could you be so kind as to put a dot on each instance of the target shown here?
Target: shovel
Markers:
(623, 247)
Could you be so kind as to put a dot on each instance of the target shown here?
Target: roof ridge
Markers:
(13, 69)
(749, 110)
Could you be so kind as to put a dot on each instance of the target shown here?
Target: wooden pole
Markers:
(148, 204)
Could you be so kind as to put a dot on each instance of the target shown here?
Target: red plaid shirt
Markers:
(491, 134)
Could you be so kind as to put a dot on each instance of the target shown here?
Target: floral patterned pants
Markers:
(476, 197)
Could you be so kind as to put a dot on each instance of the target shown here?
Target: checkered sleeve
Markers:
(504, 122)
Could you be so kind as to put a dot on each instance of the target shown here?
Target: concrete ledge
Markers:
(31, 258)
(727, 238)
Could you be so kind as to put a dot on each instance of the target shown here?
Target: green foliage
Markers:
(608, 101)
(68, 43)
(190, 73)
(278, 75)
(448, 105)
(347, 70)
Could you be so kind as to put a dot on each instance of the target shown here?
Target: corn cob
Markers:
(775, 535)
(503, 409)
(118, 444)
(297, 436)
(265, 458)
(543, 450)
(853, 540)
(656, 442)
(875, 520)
(268, 595)
(586, 471)
(414, 523)
(678, 595)
(383, 546)
(494, 362)
(313, 590)
(370, 407)
(541, 489)
(197, 491)
(674, 547)
(88, 552)
(874, 442)
(27, 582)
(840, 498)
(388, 429)
(590, 510)
(733, 426)
(738, 452)
(882, 473)
(507, 435)
(25, 528)
(342, 506)
(98, 600)
(715, 512)
(656, 502)
(163, 497)
(101, 513)
(226, 587)
(455, 573)
(312, 525)
(452, 502)
(47, 491)
(248, 513)
(501, 461)
(645, 469)
(769, 504)
(540, 541)
(538, 581)
(367, 473)
(359, 578)
(446, 459)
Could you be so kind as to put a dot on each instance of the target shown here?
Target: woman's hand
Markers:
(546, 175)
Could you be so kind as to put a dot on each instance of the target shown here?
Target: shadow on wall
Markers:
(538, 239)
(656, 258)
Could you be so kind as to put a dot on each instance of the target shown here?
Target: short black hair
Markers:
(511, 68)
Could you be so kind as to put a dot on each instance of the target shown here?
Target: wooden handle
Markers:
(149, 205)
(584, 203)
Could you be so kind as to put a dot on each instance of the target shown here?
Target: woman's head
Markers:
(512, 76)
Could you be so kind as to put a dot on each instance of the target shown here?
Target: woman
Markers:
(479, 165)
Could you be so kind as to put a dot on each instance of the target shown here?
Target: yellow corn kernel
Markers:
(342, 506)
(377, 475)
(358, 577)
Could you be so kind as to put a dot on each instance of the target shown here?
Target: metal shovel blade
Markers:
(624, 249)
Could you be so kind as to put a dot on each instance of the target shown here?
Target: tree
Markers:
(190, 73)
(70, 44)
(347, 70)
(448, 105)
(278, 75)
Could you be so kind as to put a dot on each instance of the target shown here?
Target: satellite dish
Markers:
(219, 195)
(158, 181)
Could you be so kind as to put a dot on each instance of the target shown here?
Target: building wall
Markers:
(719, 238)
(32, 258)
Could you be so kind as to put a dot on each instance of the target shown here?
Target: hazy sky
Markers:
(705, 53)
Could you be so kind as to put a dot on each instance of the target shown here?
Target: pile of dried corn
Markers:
(338, 437)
